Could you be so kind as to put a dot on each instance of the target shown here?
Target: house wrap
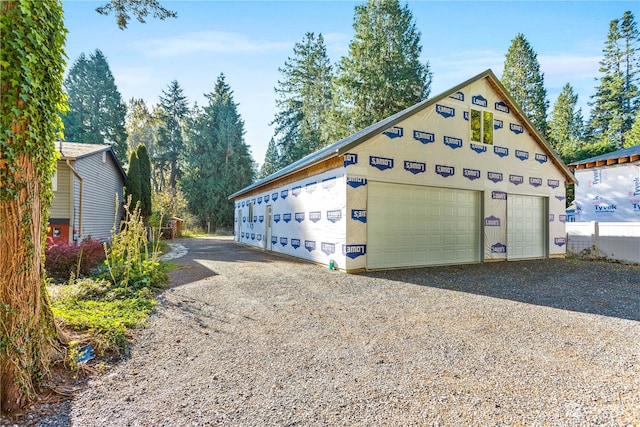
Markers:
(462, 177)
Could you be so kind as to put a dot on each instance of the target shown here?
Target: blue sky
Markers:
(249, 40)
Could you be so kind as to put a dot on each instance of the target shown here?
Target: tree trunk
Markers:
(28, 331)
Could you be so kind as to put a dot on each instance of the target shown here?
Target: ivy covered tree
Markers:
(304, 97)
(31, 76)
(615, 104)
(566, 123)
(382, 74)
(96, 111)
(173, 108)
(218, 160)
(525, 82)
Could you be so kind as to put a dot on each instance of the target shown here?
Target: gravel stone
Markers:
(244, 337)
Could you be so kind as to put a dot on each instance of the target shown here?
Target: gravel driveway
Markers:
(246, 338)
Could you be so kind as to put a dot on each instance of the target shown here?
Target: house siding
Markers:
(61, 203)
(101, 183)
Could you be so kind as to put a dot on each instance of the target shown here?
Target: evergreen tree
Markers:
(145, 180)
(304, 97)
(565, 125)
(219, 162)
(172, 110)
(140, 125)
(271, 160)
(632, 137)
(615, 103)
(139, 8)
(96, 111)
(133, 186)
(382, 74)
(525, 83)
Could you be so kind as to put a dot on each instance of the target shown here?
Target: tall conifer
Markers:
(525, 82)
(383, 73)
(615, 103)
(96, 110)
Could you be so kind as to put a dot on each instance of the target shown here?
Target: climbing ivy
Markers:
(32, 61)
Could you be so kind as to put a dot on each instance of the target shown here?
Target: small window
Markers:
(481, 126)
(250, 211)
(54, 180)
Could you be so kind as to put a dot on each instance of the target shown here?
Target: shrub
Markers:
(130, 264)
(63, 260)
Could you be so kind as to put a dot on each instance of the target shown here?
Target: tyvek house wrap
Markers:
(308, 219)
(608, 194)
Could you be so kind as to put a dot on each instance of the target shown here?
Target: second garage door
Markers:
(413, 226)
(526, 230)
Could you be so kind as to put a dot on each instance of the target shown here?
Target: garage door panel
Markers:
(436, 226)
(526, 231)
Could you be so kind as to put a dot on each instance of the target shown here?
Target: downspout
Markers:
(80, 201)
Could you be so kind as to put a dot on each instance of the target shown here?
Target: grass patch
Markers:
(106, 322)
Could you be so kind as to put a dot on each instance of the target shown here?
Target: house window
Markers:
(250, 211)
(481, 126)
(54, 180)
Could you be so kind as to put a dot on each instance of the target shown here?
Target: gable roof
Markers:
(343, 146)
(78, 150)
(626, 155)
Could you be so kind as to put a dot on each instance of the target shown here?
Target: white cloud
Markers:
(208, 41)
(568, 67)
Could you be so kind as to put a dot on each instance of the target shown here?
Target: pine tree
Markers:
(145, 180)
(96, 111)
(172, 110)
(566, 124)
(271, 160)
(525, 83)
(632, 137)
(219, 162)
(133, 186)
(139, 8)
(382, 74)
(304, 96)
(615, 103)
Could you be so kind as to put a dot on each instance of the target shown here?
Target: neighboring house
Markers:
(607, 206)
(85, 186)
(608, 188)
(460, 178)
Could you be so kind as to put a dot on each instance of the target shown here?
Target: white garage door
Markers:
(526, 230)
(412, 226)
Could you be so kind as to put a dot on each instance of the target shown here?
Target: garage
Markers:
(526, 230)
(412, 225)
(460, 178)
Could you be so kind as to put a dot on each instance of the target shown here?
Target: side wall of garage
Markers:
(306, 219)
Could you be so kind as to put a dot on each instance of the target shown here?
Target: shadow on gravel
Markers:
(193, 266)
(592, 287)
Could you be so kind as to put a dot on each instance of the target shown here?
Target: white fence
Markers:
(615, 240)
